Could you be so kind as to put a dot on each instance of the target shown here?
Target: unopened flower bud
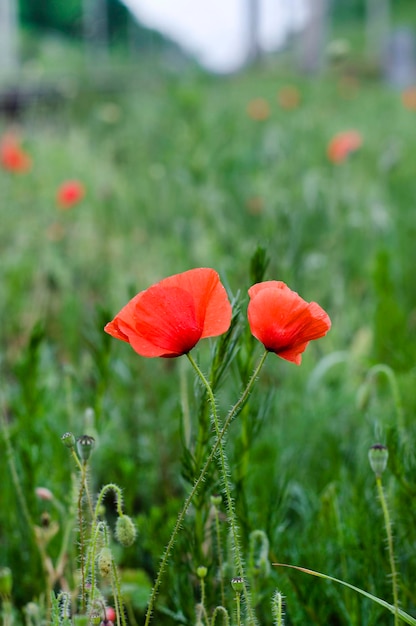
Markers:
(378, 456)
(110, 614)
(201, 571)
(5, 581)
(104, 561)
(216, 500)
(95, 619)
(125, 532)
(44, 494)
(68, 440)
(237, 584)
(85, 444)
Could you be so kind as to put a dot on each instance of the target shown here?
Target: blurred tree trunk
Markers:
(377, 29)
(313, 37)
(95, 26)
(253, 20)
(8, 37)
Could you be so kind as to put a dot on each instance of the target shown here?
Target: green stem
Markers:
(389, 534)
(227, 488)
(218, 534)
(231, 415)
(238, 605)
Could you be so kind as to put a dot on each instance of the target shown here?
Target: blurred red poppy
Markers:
(288, 97)
(12, 156)
(342, 144)
(69, 193)
(169, 318)
(258, 109)
(282, 321)
(409, 98)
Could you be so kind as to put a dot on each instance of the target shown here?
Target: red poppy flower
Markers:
(342, 144)
(169, 318)
(409, 98)
(283, 321)
(258, 109)
(70, 193)
(288, 97)
(12, 157)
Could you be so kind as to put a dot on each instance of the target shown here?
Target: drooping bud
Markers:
(104, 561)
(68, 440)
(85, 445)
(125, 531)
(378, 456)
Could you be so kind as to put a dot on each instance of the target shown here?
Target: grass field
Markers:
(178, 175)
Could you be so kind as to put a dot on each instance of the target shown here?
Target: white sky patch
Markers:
(215, 31)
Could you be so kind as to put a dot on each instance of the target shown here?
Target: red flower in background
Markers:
(169, 318)
(258, 109)
(342, 144)
(288, 97)
(409, 98)
(282, 321)
(69, 193)
(12, 156)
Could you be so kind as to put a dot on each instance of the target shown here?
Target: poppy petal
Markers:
(284, 322)
(169, 318)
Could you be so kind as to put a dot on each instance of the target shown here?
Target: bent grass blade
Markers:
(408, 619)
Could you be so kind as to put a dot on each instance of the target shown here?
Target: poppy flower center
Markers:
(166, 317)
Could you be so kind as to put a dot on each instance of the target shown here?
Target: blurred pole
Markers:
(253, 21)
(8, 37)
(377, 29)
(95, 27)
(313, 37)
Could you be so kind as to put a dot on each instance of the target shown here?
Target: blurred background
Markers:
(268, 139)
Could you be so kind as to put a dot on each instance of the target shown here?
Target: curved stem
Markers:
(381, 368)
(233, 412)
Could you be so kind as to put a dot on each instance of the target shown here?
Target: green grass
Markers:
(171, 167)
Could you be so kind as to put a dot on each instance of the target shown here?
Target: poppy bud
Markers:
(95, 619)
(216, 500)
(68, 440)
(125, 531)
(202, 571)
(378, 456)
(85, 445)
(43, 493)
(237, 583)
(104, 561)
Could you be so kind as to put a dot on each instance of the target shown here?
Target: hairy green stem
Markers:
(218, 535)
(231, 415)
(387, 523)
(227, 488)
